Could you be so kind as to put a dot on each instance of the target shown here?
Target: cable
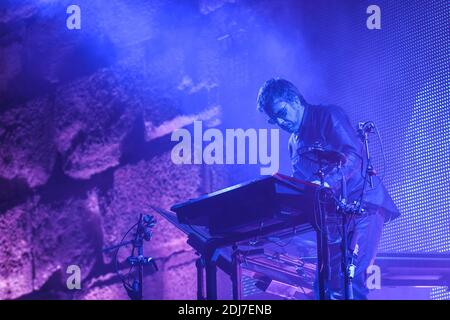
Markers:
(383, 154)
(384, 158)
(122, 278)
(280, 243)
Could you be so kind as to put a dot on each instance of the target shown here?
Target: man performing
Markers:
(329, 128)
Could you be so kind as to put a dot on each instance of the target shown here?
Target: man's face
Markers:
(287, 115)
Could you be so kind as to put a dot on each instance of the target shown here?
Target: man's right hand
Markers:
(325, 184)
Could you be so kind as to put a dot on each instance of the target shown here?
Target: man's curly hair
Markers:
(274, 89)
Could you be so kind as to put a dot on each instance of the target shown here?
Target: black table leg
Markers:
(211, 278)
(236, 274)
(200, 279)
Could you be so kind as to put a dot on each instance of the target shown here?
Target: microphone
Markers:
(365, 127)
(352, 262)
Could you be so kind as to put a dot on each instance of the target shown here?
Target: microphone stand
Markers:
(138, 244)
(347, 268)
(322, 244)
(143, 232)
(348, 263)
(363, 130)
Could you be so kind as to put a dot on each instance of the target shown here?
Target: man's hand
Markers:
(318, 182)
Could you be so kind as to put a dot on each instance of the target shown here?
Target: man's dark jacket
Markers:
(328, 127)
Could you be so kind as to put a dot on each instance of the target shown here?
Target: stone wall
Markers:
(79, 157)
